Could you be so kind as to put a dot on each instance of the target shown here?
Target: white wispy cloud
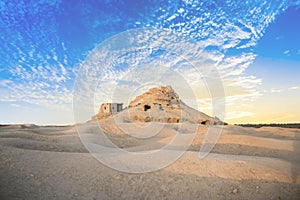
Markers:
(41, 85)
(238, 114)
(15, 105)
(287, 52)
(274, 90)
(294, 88)
(279, 90)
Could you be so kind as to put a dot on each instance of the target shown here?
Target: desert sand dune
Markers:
(246, 163)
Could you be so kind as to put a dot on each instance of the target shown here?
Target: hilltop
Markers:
(161, 104)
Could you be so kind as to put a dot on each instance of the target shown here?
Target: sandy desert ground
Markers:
(49, 162)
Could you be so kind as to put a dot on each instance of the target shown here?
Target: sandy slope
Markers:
(246, 163)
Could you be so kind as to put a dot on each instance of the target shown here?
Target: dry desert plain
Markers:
(50, 162)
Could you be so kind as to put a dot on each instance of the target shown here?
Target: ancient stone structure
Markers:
(160, 104)
(106, 109)
(110, 108)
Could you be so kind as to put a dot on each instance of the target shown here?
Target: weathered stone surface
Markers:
(162, 98)
(162, 104)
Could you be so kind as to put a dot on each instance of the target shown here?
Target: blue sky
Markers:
(255, 46)
(281, 40)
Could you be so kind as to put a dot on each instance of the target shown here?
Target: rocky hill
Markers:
(162, 104)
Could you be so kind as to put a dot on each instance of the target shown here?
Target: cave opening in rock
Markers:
(206, 122)
(147, 107)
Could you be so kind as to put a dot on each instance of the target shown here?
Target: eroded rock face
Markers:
(162, 104)
(162, 98)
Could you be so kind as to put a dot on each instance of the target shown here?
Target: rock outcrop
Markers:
(162, 98)
(162, 104)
